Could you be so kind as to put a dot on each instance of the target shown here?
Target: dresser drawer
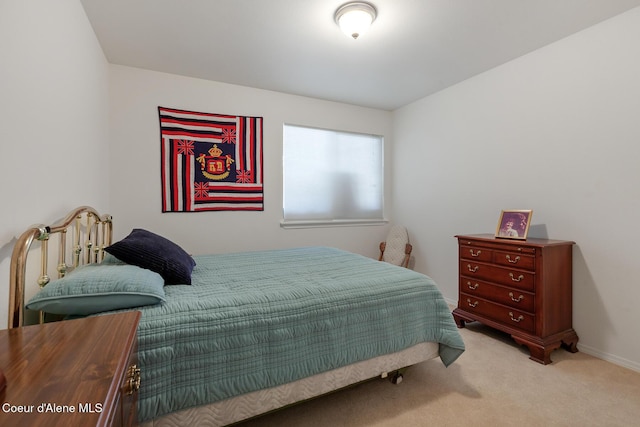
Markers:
(129, 389)
(515, 260)
(492, 273)
(515, 298)
(476, 254)
(506, 315)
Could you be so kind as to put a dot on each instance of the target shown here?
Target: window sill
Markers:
(332, 223)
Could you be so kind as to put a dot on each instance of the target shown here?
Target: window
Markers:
(331, 177)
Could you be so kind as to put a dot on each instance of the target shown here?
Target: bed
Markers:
(226, 337)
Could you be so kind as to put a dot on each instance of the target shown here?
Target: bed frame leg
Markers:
(395, 377)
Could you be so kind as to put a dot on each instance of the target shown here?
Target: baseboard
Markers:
(634, 366)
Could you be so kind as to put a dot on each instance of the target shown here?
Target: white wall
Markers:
(556, 131)
(53, 104)
(135, 162)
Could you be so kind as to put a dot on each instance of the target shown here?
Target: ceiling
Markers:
(414, 48)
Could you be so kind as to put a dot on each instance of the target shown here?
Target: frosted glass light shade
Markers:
(355, 18)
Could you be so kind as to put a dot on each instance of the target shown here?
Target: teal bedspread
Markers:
(260, 319)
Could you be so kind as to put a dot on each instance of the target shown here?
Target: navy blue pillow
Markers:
(156, 253)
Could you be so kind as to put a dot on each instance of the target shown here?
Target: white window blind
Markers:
(332, 176)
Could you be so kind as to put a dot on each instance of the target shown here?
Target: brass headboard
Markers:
(91, 233)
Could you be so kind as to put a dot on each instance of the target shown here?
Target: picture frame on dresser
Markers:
(514, 224)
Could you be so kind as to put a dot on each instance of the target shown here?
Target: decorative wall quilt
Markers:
(210, 162)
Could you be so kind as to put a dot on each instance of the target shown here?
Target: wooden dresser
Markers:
(521, 287)
(79, 372)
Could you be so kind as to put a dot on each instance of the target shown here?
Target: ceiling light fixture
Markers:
(355, 18)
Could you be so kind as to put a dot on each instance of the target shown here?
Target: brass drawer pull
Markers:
(513, 261)
(132, 383)
(520, 298)
(472, 304)
(476, 253)
(474, 269)
(472, 287)
(518, 320)
(520, 277)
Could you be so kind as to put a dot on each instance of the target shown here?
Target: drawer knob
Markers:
(520, 298)
(475, 254)
(519, 278)
(132, 383)
(474, 269)
(472, 304)
(513, 261)
(518, 320)
(472, 287)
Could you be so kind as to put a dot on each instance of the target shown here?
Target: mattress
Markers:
(257, 320)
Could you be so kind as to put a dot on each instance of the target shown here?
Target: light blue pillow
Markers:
(94, 288)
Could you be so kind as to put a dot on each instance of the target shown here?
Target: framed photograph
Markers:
(514, 224)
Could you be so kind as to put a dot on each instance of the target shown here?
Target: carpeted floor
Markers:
(492, 384)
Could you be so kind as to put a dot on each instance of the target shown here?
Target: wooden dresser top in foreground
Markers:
(67, 373)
